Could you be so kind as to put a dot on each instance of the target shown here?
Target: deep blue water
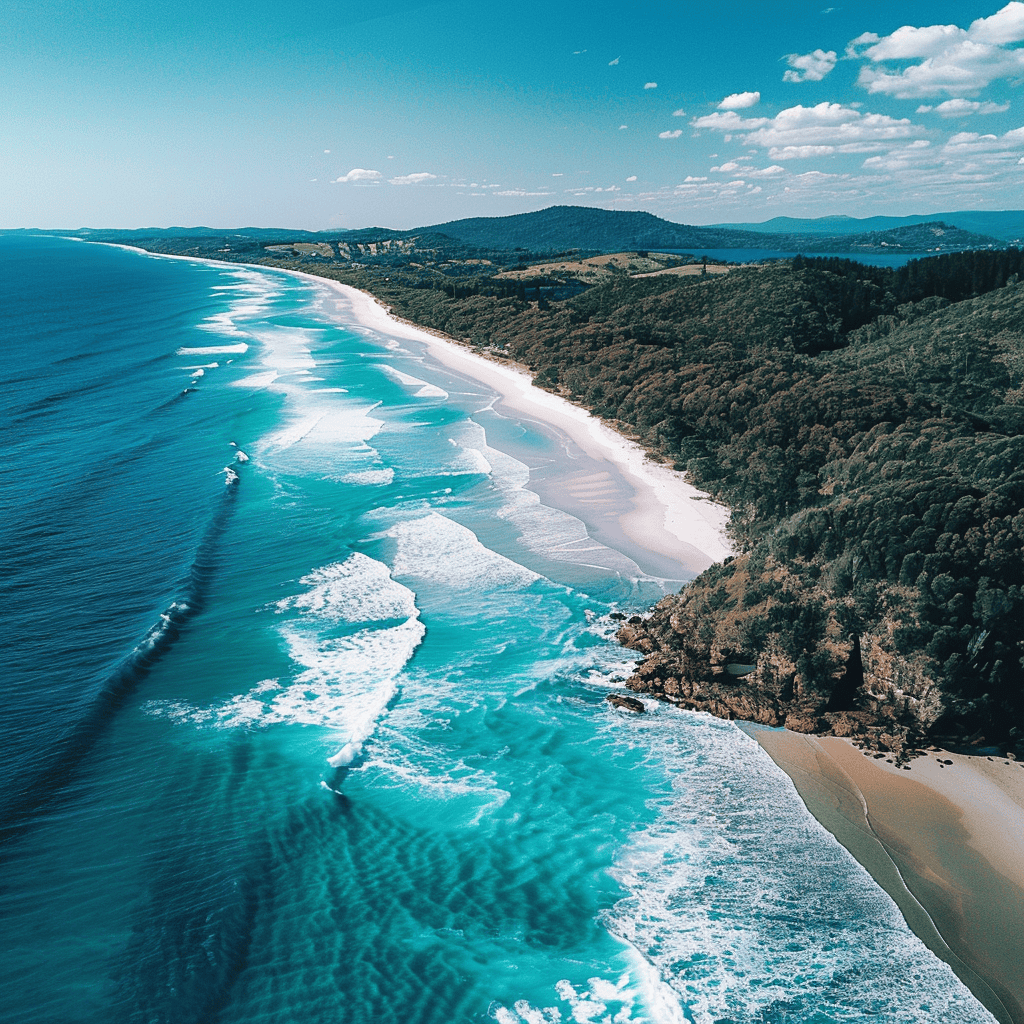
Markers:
(758, 255)
(304, 710)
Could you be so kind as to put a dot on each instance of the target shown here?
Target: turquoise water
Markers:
(305, 715)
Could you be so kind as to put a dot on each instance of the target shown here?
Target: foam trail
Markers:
(214, 350)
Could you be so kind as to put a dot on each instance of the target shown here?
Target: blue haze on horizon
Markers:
(333, 115)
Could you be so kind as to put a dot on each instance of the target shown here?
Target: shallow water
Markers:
(305, 712)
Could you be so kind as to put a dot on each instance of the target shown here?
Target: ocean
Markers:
(304, 706)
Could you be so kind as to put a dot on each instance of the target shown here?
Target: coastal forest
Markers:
(864, 424)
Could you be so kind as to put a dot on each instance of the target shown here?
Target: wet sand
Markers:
(945, 841)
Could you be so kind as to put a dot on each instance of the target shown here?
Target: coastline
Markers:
(946, 841)
(668, 517)
(940, 841)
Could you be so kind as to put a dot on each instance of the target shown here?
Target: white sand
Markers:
(668, 515)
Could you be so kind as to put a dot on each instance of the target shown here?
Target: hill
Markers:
(579, 227)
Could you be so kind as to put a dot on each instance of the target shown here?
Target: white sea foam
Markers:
(635, 997)
(360, 589)
(438, 549)
(369, 477)
(423, 388)
(256, 380)
(343, 683)
(468, 461)
(214, 350)
(547, 531)
(746, 905)
(254, 290)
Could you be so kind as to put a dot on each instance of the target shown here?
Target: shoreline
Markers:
(945, 841)
(668, 518)
(940, 841)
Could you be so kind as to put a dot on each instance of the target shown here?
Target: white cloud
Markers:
(520, 192)
(951, 60)
(651, 85)
(671, 135)
(809, 67)
(740, 101)
(907, 43)
(730, 166)
(612, 63)
(690, 179)
(623, 127)
(964, 143)
(799, 132)
(679, 113)
(359, 174)
(853, 47)
(412, 179)
(557, 174)
(765, 172)
(799, 152)
(728, 122)
(1005, 26)
(327, 151)
(963, 108)
(632, 177)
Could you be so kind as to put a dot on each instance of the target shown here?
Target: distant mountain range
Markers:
(560, 229)
(1007, 225)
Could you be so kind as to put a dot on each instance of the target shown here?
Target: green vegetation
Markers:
(865, 425)
(867, 428)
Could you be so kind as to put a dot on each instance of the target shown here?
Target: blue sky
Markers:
(337, 114)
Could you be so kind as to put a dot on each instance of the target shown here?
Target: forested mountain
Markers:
(581, 227)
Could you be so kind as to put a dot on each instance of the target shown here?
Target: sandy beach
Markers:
(665, 516)
(944, 839)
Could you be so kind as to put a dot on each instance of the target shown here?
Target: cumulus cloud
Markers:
(948, 59)
(623, 127)
(612, 63)
(809, 67)
(799, 132)
(671, 135)
(728, 122)
(963, 108)
(740, 101)
(690, 179)
(651, 85)
(632, 177)
(418, 178)
(359, 174)
(799, 152)
(730, 166)
(679, 113)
